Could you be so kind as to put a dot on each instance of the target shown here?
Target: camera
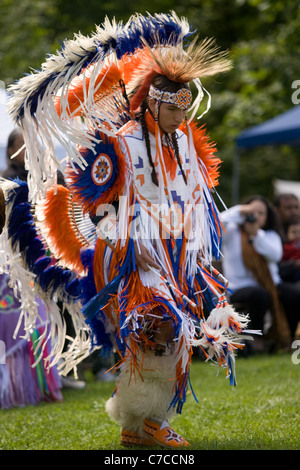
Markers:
(251, 218)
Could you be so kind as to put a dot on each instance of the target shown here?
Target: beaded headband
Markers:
(182, 98)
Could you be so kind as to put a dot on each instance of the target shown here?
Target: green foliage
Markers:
(261, 35)
(261, 412)
(258, 88)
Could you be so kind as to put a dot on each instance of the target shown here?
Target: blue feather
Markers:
(150, 28)
(72, 288)
(86, 285)
(21, 214)
(40, 265)
(34, 252)
(24, 235)
(19, 194)
(55, 277)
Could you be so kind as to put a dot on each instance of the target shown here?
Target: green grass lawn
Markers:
(261, 412)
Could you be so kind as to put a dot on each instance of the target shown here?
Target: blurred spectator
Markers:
(15, 166)
(288, 210)
(20, 383)
(291, 253)
(252, 249)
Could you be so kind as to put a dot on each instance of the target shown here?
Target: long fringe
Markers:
(33, 276)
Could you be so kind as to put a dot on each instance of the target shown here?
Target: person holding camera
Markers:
(252, 248)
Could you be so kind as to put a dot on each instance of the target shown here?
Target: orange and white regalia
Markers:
(79, 242)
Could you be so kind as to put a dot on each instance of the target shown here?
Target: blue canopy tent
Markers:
(282, 129)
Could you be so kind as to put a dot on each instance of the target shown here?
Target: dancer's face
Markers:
(169, 117)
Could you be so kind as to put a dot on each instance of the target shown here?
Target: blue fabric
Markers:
(283, 129)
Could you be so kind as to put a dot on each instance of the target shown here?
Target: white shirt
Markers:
(267, 243)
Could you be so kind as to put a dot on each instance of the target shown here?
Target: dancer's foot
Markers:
(163, 434)
(131, 438)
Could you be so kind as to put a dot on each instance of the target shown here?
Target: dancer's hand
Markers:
(143, 258)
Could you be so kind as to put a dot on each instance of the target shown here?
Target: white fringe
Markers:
(27, 291)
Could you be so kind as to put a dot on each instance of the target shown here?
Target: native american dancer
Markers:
(128, 242)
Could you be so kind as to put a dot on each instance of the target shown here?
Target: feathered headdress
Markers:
(173, 61)
(95, 83)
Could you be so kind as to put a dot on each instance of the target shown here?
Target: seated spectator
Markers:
(288, 209)
(252, 249)
(291, 252)
(287, 206)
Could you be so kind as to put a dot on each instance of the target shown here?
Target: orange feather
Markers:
(205, 151)
(109, 76)
(62, 237)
